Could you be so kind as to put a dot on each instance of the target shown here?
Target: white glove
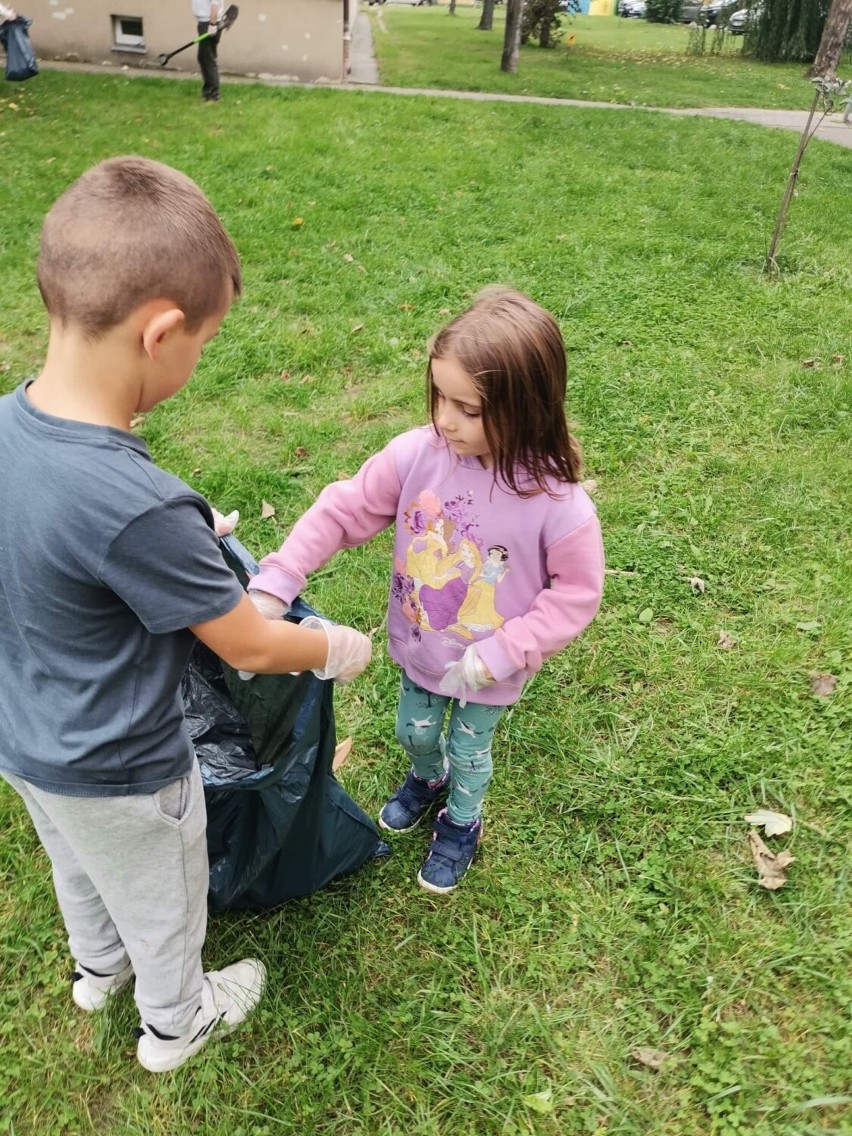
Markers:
(270, 607)
(212, 28)
(349, 651)
(224, 525)
(465, 676)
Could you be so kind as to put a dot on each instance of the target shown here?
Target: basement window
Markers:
(128, 34)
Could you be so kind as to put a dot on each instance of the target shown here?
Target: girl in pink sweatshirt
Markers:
(498, 561)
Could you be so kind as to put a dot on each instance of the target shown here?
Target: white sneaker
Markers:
(227, 997)
(92, 991)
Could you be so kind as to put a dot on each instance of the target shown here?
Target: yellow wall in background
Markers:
(602, 7)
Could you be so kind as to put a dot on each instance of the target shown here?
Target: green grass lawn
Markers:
(610, 60)
(615, 905)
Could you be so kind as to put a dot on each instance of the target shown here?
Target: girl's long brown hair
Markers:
(513, 351)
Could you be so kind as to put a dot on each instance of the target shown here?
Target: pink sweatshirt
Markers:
(473, 562)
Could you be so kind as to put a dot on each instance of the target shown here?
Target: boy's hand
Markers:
(466, 676)
(349, 652)
(222, 526)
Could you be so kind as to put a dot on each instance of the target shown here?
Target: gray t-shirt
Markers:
(105, 561)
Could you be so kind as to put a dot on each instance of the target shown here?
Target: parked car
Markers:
(690, 12)
(707, 14)
(632, 9)
(744, 19)
(718, 11)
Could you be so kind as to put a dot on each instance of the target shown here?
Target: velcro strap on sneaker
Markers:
(451, 851)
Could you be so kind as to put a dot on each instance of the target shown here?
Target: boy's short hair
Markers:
(128, 231)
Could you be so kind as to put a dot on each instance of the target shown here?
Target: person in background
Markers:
(206, 13)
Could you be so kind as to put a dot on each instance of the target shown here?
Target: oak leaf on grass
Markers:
(823, 685)
(770, 866)
(650, 1058)
(774, 824)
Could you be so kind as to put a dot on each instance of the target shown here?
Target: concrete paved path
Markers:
(362, 61)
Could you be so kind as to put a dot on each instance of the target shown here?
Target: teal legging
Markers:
(419, 730)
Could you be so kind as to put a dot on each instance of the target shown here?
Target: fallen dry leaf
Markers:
(838, 359)
(726, 641)
(697, 584)
(770, 866)
(651, 1058)
(823, 685)
(775, 824)
(590, 486)
(297, 221)
(348, 257)
(619, 572)
(306, 379)
(361, 268)
(357, 327)
(266, 510)
(136, 420)
(406, 307)
(341, 753)
(301, 452)
(810, 364)
(284, 376)
(443, 311)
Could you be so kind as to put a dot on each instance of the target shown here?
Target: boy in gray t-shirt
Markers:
(108, 569)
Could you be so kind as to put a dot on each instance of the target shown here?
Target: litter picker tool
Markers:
(228, 18)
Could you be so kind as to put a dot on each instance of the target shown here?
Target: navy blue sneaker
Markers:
(453, 848)
(411, 802)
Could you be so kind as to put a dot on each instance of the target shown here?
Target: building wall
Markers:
(296, 39)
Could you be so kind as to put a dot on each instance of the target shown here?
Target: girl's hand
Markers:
(269, 606)
(466, 676)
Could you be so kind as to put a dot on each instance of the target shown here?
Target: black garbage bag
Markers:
(279, 825)
(20, 57)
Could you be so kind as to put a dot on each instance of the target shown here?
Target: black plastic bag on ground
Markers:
(278, 823)
(20, 57)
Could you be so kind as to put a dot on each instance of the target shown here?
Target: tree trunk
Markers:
(452, 9)
(512, 38)
(833, 35)
(486, 21)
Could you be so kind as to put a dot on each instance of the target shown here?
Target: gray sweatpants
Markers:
(131, 879)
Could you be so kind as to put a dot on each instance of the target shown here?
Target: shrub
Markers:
(542, 19)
